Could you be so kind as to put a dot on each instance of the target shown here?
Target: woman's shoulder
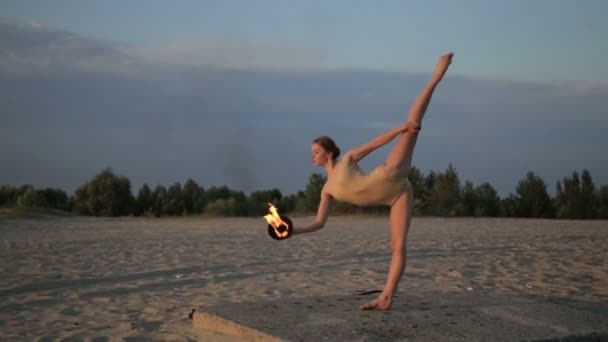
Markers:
(347, 157)
(347, 160)
(327, 188)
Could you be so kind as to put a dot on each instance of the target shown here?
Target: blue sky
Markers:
(161, 91)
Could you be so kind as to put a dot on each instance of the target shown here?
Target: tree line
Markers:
(435, 194)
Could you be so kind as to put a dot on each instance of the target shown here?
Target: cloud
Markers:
(230, 54)
(584, 88)
(35, 49)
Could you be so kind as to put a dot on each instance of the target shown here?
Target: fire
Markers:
(281, 228)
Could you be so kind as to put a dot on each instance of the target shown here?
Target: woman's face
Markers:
(319, 155)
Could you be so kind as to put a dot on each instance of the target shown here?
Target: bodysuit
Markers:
(350, 184)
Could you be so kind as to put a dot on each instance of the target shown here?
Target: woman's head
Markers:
(324, 149)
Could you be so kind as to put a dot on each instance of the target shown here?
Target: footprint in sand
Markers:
(449, 279)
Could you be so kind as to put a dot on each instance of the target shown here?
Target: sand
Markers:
(138, 279)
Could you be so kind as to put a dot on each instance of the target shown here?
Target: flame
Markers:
(276, 222)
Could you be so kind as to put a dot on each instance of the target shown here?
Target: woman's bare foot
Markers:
(442, 66)
(382, 303)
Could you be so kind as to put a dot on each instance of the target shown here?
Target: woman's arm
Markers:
(321, 218)
(360, 152)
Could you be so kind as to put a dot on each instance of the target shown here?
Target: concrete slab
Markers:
(464, 316)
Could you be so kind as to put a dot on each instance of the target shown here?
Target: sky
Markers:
(233, 92)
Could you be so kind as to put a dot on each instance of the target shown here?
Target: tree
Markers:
(602, 202)
(568, 198)
(313, 191)
(233, 205)
(8, 195)
(445, 193)
(199, 200)
(105, 195)
(427, 188)
(55, 198)
(175, 201)
(144, 202)
(486, 201)
(221, 207)
(265, 196)
(238, 204)
(576, 197)
(532, 197)
(30, 198)
(217, 192)
(507, 207)
(468, 199)
(588, 201)
(288, 203)
(258, 201)
(194, 197)
(420, 192)
(159, 201)
(300, 203)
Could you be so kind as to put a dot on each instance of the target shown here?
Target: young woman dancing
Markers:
(387, 184)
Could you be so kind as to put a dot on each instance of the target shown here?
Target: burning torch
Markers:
(279, 227)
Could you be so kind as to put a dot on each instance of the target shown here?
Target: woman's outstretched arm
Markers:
(360, 152)
(321, 218)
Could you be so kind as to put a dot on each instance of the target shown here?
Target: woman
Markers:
(386, 185)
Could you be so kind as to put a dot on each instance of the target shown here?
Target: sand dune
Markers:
(137, 279)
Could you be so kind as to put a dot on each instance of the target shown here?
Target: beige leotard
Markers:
(350, 184)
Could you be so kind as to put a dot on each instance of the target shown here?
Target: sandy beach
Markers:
(138, 279)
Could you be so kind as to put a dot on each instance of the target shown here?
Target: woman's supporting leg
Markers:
(400, 220)
(400, 157)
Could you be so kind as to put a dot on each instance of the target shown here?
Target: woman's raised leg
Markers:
(400, 157)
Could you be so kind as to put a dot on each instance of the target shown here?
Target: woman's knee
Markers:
(414, 127)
